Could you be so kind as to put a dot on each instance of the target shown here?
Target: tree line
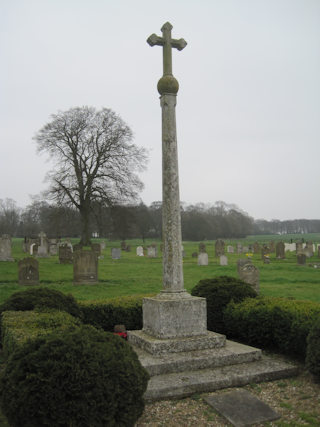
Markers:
(128, 221)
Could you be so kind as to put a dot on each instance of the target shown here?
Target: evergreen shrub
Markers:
(313, 350)
(219, 291)
(108, 313)
(268, 322)
(86, 377)
(41, 298)
(20, 326)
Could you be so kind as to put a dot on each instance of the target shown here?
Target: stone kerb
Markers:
(85, 267)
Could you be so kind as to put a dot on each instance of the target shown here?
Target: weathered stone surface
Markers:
(189, 382)
(28, 271)
(152, 252)
(241, 408)
(250, 274)
(202, 247)
(173, 315)
(115, 253)
(139, 251)
(219, 248)
(185, 345)
(301, 259)
(242, 262)
(85, 267)
(203, 258)
(5, 248)
(65, 253)
(223, 260)
(280, 250)
(230, 249)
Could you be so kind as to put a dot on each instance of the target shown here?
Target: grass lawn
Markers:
(141, 275)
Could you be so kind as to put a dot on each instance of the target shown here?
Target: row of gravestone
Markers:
(85, 268)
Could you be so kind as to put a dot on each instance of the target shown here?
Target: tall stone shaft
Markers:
(171, 222)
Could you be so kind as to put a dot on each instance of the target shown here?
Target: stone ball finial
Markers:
(168, 84)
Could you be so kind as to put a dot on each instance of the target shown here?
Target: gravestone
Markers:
(115, 253)
(241, 262)
(85, 267)
(123, 245)
(301, 259)
(230, 249)
(202, 247)
(265, 250)
(299, 248)
(239, 248)
(272, 246)
(219, 248)
(245, 249)
(256, 248)
(203, 258)
(34, 248)
(308, 250)
(266, 259)
(223, 260)
(103, 245)
(53, 246)
(152, 252)
(289, 247)
(5, 248)
(140, 251)
(65, 253)
(250, 274)
(43, 247)
(28, 271)
(280, 252)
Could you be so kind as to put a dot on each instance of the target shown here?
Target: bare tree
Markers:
(95, 160)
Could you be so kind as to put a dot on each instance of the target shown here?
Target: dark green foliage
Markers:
(41, 298)
(313, 350)
(80, 378)
(19, 326)
(219, 291)
(105, 314)
(276, 323)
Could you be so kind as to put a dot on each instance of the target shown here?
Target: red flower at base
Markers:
(121, 334)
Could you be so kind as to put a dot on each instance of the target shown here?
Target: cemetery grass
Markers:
(132, 275)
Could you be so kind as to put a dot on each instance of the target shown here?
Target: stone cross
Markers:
(168, 43)
(171, 223)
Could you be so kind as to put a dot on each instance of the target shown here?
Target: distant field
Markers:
(141, 275)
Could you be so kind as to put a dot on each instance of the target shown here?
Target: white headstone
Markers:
(203, 258)
(140, 251)
(230, 249)
(223, 260)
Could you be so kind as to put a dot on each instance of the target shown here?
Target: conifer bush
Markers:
(83, 378)
(313, 350)
(219, 291)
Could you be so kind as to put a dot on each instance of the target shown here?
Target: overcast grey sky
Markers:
(248, 111)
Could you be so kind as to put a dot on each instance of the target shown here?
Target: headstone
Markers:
(223, 260)
(34, 248)
(219, 248)
(256, 248)
(280, 252)
(28, 271)
(230, 249)
(5, 248)
(115, 253)
(43, 247)
(250, 274)
(53, 246)
(152, 252)
(265, 250)
(103, 245)
(299, 248)
(65, 253)
(123, 245)
(202, 247)
(140, 251)
(266, 259)
(301, 258)
(245, 249)
(239, 248)
(243, 261)
(308, 250)
(272, 246)
(289, 247)
(203, 258)
(85, 267)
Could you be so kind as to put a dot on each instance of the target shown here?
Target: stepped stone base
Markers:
(177, 375)
(158, 346)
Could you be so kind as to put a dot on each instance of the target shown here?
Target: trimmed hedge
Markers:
(277, 323)
(82, 378)
(20, 326)
(313, 350)
(219, 291)
(108, 313)
(41, 298)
